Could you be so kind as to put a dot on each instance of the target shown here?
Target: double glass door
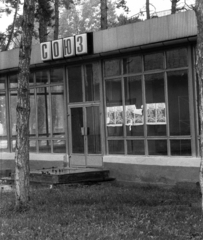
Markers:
(84, 115)
(85, 137)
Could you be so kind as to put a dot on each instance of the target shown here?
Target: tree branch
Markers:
(13, 25)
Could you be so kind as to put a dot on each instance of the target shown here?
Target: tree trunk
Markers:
(173, 6)
(42, 29)
(104, 24)
(56, 25)
(12, 29)
(147, 9)
(199, 71)
(43, 21)
(22, 169)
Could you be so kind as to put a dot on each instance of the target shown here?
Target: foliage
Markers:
(10, 5)
(84, 17)
(123, 20)
(12, 30)
(122, 4)
(107, 211)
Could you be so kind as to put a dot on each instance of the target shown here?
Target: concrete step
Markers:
(55, 176)
(69, 175)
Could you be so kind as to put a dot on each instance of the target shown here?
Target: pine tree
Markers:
(104, 24)
(199, 70)
(22, 169)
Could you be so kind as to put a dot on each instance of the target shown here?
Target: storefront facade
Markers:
(129, 105)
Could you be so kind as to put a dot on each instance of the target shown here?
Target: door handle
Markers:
(85, 131)
(82, 131)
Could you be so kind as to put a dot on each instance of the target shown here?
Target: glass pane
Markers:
(33, 146)
(93, 130)
(112, 68)
(57, 106)
(13, 80)
(3, 145)
(132, 64)
(13, 145)
(155, 104)
(2, 83)
(77, 130)
(75, 84)
(59, 146)
(114, 111)
(157, 147)
(43, 111)
(178, 101)
(176, 58)
(116, 147)
(153, 61)
(134, 106)
(181, 148)
(3, 118)
(42, 77)
(44, 146)
(13, 105)
(31, 80)
(135, 147)
(56, 75)
(92, 82)
(32, 123)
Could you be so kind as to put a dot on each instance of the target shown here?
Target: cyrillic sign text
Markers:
(66, 47)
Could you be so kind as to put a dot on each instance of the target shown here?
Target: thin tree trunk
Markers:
(56, 25)
(22, 169)
(12, 29)
(104, 24)
(199, 71)
(43, 22)
(173, 6)
(42, 29)
(147, 9)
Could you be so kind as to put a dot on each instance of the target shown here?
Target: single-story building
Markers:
(123, 99)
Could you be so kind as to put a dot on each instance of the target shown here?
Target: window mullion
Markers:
(191, 103)
(144, 108)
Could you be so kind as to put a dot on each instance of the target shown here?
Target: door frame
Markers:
(84, 160)
(99, 103)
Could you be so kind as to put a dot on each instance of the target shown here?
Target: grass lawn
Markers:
(105, 211)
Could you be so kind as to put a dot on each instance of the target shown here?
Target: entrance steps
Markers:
(65, 175)
(69, 175)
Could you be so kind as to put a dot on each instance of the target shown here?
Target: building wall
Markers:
(156, 30)
(136, 35)
(155, 170)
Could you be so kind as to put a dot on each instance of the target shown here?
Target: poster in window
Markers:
(134, 116)
(156, 113)
(115, 116)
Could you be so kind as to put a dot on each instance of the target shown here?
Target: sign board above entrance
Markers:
(67, 47)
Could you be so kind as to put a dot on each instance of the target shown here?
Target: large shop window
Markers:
(46, 127)
(147, 104)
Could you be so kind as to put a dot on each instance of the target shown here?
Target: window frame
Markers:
(191, 94)
(34, 87)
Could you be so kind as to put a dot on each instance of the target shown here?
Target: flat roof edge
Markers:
(166, 30)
